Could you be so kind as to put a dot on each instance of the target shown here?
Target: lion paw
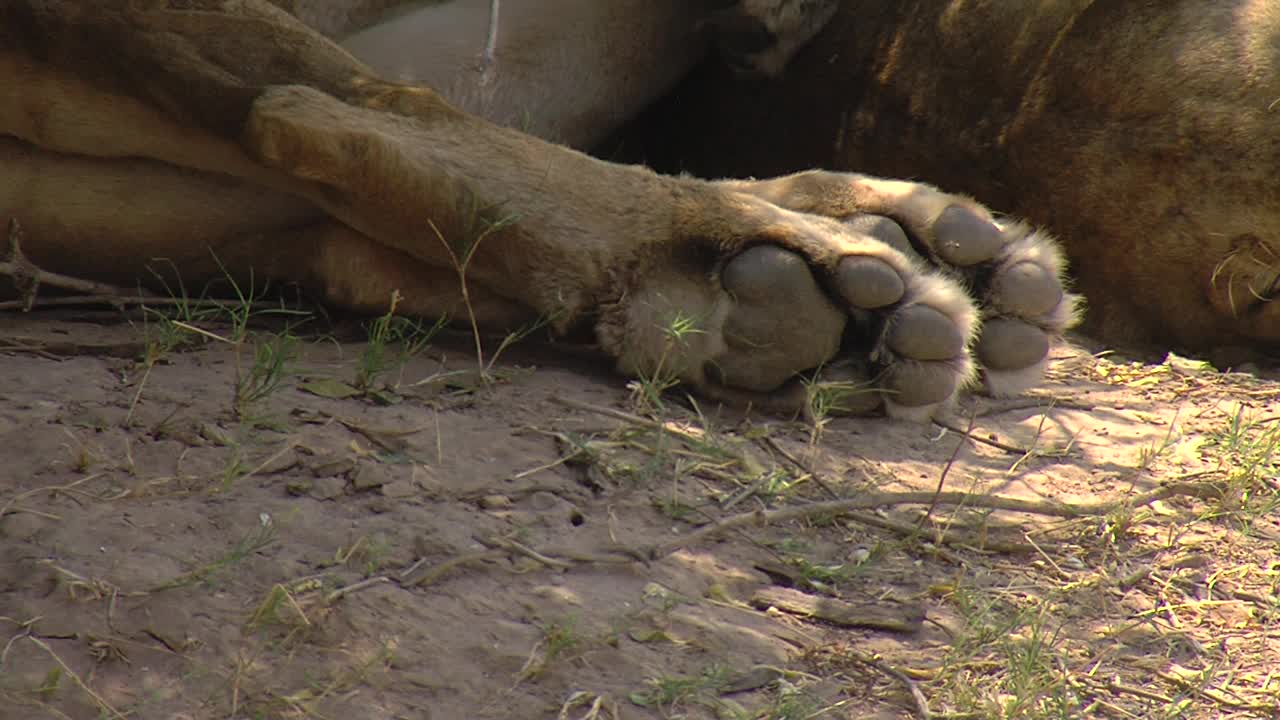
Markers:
(785, 295)
(867, 308)
(895, 289)
(1014, 274)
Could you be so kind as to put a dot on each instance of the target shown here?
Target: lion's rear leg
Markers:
(179, 230)
(352, 271)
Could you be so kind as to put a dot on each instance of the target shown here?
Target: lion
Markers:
(241, 138)
(1143, 135)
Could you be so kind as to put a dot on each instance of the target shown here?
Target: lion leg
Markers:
(722, 289)
(1016, 275)
(686, 277)
(350, 270)
(180, 230)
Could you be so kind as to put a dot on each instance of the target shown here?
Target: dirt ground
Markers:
(190, 533)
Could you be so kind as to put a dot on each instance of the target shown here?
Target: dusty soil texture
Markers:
(191, 529)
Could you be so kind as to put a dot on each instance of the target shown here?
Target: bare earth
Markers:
(520, 543)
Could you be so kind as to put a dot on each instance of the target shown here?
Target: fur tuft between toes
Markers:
(1010, 383)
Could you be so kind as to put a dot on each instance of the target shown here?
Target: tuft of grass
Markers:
(50, 685)
(1156, 449)
(342, 680)
(559, 641)
(393, 341)
(273, 361)
(826, 398)
(257, 539)
(183, 321)
(790, 701)
(1248, 450)
(369, 553)
(481, 222)
(670, 694)
(279, 608)
(53, 680)
(1009, 660)
(648, 389)
(163, 332)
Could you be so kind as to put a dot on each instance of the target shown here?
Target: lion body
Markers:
(1143, 135)
(225, 136)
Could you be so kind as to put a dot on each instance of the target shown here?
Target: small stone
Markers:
(495, 502)
(400, 489)
(332, 464)
(543, 501)
(328, 488)
(369, 476)
(216, 435)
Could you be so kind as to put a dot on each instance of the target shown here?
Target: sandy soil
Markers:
(525, 544)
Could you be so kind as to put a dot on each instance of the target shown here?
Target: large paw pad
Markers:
(782, 322)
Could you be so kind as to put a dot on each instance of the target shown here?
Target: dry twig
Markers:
(872, 500)
(28, 278)
(917, 696)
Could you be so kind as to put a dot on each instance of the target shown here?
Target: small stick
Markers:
(625, 417)
(124, 298)
(28, 277)
(917, 697)
(435, 572)
(517, 548)
(817, 479)
(942, 478)
(872, 500)
(1013, 449)
(13, 501)
(290, 445)
(347, 590)
(939, 538)
(11, 509)
(607, 412)
(1123, 689)
(571, 557)
(489, 56)
(102, 704)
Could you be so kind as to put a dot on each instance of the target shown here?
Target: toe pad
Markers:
(964, 238)
(921, 333)
(869, 283)
(1011, 344)
(1026, 289)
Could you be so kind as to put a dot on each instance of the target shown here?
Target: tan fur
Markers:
(196, 137)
